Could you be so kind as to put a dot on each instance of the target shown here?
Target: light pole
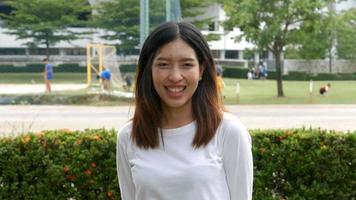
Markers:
(144, 20)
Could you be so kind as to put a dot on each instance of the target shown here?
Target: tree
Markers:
(271, 24)
(346, 31)
(121, 18)
(333, 31)
(45, 22)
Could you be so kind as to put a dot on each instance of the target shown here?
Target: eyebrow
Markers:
(167, 59)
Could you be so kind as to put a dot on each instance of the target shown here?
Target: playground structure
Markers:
(100, 57)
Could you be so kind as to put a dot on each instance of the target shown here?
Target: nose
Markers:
(175, 74)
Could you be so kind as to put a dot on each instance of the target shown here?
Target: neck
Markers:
(176, 117)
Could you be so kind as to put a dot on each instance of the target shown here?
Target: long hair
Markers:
(206, 101)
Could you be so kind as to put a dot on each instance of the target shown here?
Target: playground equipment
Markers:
(100, 57)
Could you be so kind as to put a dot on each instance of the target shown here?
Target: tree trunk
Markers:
(277, 57)
(47, 49)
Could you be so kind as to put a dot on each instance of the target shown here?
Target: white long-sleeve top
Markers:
(223, 170)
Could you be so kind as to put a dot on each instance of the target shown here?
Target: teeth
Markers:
(175, 89)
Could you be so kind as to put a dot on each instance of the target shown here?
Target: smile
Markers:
(176, 89)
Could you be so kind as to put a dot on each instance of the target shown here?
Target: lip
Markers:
(175, 91)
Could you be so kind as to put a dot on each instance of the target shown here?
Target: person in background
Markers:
(105, 77)
(180, 144)
(128, 82)
(48, 74)
(219, 79)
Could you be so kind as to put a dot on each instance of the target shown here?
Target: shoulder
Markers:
(231, 129)
(124, 134)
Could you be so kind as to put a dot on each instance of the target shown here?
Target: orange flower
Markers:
(66, 169)
(40, 134)
(110, 194)
(45, 144)
(262, 150)
(88, 172)
(71, 177)
(78, 142)
(97, 137)
(93, 164)
(66, 130)
(26, 139)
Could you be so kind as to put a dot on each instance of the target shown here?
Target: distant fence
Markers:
(315, 66)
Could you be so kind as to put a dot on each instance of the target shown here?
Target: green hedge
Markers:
(39, 67)
(128, 68)
(304, 164)
(69, 67)
(235, 72)
(288, 164)
(59, 165)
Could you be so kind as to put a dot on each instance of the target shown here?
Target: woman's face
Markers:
(176, 73)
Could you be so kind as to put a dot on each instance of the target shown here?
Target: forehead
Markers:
(177, 49)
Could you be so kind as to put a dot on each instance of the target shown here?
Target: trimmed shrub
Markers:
(34, 67)
(234, 72)
(304, 164)
(59, 165)
(70, 67)
(299, 76)
(128, 68)
(288, 164)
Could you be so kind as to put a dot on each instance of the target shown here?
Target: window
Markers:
(212, 26)
(75, 51)
(216, 53)
(12, 51)
(42, 51)
(232, 54)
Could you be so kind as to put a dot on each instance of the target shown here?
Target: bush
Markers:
(39, 67)
(70, 67)
(288, 164)
(59, 165)
(304, 164)
(128, 68)
(299, 76)
(234, 72)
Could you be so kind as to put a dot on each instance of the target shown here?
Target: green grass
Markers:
(296, 92)
(27, 78)
(251, 91)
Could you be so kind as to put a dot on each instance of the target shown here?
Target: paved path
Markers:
(21, 119)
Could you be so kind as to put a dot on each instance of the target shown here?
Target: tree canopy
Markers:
(121, 18)
(346, 34)
(272, 24)
(46, 22)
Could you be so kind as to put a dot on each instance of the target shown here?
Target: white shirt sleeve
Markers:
(237, 161)
(127, 188)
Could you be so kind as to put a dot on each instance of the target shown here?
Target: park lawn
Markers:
(28, 78)
(296, 92)
(251, 91)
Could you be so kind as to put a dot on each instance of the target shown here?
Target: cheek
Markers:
(156, 79)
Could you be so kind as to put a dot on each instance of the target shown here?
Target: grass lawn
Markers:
(251, 91)
(28, 78)
(296, 92)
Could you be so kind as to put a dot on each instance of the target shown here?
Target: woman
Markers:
(180, 144)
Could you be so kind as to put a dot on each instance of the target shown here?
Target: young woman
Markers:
(180, 145)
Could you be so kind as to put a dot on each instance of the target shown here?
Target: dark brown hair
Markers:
(206, 101)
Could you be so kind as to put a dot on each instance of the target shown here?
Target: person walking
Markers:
(48, 75)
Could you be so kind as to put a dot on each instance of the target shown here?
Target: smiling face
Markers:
(175, 74)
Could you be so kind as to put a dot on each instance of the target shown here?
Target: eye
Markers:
(188, 65)
(162, 65)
